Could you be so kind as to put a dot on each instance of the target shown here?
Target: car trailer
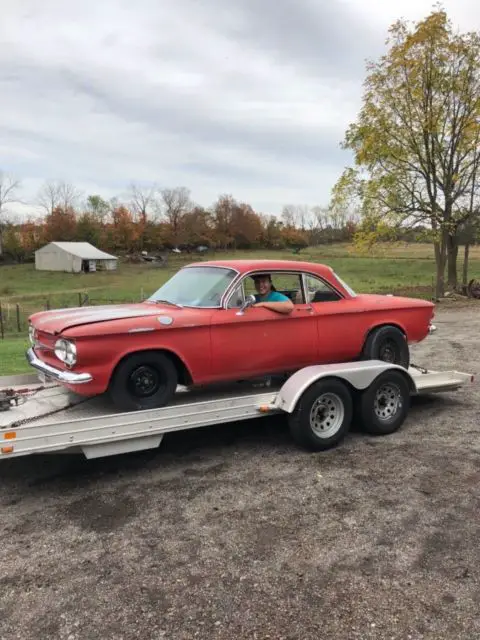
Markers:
(321, 403)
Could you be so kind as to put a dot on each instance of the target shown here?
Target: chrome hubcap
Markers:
(327, 415)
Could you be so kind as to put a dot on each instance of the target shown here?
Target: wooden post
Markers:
(17, 308)
(2, 331)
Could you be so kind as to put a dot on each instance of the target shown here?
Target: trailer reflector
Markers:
(6, 449)
(10, 435)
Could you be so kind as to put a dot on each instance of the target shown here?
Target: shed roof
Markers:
(83, 250)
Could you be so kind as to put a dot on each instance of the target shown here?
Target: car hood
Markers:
(59, 320)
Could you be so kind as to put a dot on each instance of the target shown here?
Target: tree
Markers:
(176, 203)
(58, 194)
(197, 225)
(89, 228)
(60, 225)
(416, 140)
(223, 211)
(8, 195)
(98, 207)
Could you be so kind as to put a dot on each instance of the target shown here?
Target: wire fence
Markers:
(14, 316)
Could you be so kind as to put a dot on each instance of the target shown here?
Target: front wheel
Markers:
(322, 416)
(144, 380)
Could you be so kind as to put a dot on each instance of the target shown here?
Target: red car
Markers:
(204, 326)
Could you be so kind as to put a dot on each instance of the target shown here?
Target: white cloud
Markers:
(245, 97)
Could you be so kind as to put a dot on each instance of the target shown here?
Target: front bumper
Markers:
(67, 377)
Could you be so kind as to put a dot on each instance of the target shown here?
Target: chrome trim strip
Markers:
(62, 376)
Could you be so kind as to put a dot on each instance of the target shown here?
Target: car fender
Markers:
(139, 348)
(385, 323)
(358, 375)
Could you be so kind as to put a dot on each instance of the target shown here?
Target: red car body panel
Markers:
(217, 344)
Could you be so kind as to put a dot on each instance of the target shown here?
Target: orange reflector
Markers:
(10, 435)
(6, 449)
(264, 408)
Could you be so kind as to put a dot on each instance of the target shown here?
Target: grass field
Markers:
(400, 269)
(12, 356)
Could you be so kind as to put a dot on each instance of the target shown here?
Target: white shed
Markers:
(73, 257)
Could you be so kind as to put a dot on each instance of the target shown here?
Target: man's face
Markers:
(263, 285)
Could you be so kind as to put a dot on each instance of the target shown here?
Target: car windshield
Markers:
(195, 287)
(345, 286)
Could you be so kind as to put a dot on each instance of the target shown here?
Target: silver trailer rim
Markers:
(327, 415)
(388, 401)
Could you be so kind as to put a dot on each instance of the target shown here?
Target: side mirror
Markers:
(249, 301)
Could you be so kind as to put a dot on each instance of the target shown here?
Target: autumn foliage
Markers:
(125, 229)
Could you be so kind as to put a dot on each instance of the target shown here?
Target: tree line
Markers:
(152, 219)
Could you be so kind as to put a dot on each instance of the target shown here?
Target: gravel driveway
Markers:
(235, 533)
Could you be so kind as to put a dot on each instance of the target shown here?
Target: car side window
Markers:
(319, 291)
(290, 284)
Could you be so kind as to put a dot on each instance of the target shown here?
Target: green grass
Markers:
(12, 356)
(400, 269)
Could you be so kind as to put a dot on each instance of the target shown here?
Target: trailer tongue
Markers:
(321, 403)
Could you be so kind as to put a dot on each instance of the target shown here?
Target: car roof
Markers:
(244, 266)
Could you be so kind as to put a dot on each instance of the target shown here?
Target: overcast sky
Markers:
(247, 97)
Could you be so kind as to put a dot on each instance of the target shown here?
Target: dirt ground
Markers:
(232, 533)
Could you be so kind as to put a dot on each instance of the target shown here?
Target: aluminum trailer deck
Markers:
(320, 402)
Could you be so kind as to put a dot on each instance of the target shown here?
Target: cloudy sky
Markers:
(248, 97)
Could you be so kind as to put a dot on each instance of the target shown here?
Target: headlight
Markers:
(66, 351)
(31, 334)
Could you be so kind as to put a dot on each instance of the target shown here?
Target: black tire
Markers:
(388, 344)
(145, 380)
(383, 406)
(317, 400)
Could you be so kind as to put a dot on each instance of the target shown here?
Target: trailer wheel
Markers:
(384, 405)
(322, 416)
(145, 380)
(387, 344)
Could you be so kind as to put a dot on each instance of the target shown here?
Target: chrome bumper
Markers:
(432, 328)
(69, 377)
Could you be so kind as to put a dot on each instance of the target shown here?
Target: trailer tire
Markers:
(145, 380)
(382, 408)
(389, 344)
(322, 416)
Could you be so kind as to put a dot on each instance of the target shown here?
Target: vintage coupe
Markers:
(202, 327)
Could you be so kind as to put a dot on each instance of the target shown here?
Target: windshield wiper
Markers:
(173, 304)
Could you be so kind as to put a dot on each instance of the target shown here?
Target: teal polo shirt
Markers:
(273, 296)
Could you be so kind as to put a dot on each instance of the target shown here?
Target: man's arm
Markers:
(285, 306)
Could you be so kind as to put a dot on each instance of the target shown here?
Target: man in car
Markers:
(268, 297)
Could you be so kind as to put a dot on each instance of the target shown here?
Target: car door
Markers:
(262, 341)
(339, 334)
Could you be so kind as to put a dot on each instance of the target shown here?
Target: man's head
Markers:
(263, 283)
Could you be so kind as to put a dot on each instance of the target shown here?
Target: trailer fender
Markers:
(358, 375)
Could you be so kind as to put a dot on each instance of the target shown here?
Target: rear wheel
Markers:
(144, 380)
(383, 406)
(388, 344)
(322, 416)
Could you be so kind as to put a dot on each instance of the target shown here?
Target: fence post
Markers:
(47, 305)
(2, 332)
(80, 299)
(17, 308)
